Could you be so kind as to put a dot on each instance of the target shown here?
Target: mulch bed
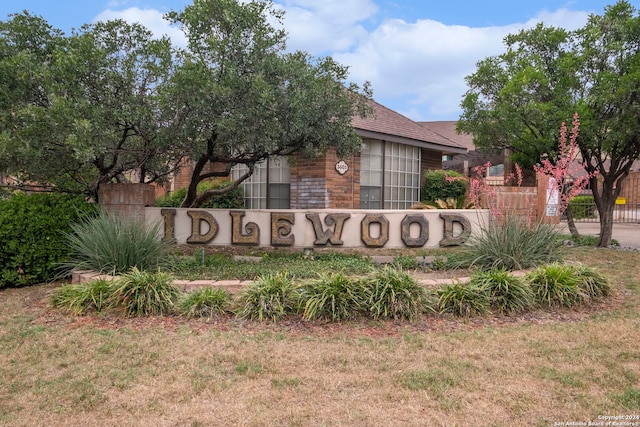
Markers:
(36, 303)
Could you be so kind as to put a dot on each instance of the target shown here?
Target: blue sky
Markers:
(415, 53)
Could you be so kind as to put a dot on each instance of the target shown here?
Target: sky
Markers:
(415, 53)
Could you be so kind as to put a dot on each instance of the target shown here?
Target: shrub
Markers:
(507, 293)
(140, 293)
(462, 300)
(592, 282)
(233, 199)
(583, 207)
(83, 298)
(513, 244)
(438, 187)
(394, 294)
(32, 231)
(205, 302)
(556, 285)
(333, 297)
(107, 244)
(270, 297)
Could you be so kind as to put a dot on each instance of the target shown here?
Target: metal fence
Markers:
(626, 210)
(622, 213)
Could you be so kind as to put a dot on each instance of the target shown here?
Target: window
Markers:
(269, 185)
(389, 175)
(371, 157)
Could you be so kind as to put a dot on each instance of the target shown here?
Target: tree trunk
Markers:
(606, 227)
(192, 191)
(571, 224)
(606, 204)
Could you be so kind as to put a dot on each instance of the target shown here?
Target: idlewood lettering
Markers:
(197, 218)
(448, 239)
(365, 230)
(281, 224)
(251, 237)
(298, 228)
(405, 230)
(323, 236)
(169, 219)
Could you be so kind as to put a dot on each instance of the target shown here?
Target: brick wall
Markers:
(316, 184)
(126, 200)
(521, 201)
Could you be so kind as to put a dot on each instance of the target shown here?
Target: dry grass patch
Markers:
(567, 365)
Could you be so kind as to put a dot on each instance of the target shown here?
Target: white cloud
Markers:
(321, 27)
(422, 65)
(150, 18)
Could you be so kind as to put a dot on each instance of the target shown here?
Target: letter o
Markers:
(365, 226)
(414, 242)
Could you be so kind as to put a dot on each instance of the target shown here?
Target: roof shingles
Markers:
(387, 123)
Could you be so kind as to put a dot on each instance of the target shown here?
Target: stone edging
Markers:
(84, 276)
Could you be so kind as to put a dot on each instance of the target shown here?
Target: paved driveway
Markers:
(627, 234)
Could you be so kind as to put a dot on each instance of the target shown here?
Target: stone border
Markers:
(84, 276)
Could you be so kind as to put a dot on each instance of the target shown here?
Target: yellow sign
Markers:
(621, 201)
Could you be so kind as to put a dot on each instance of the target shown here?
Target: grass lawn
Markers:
(537, 369)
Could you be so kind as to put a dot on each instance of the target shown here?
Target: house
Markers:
(473, 157)
(385, 174)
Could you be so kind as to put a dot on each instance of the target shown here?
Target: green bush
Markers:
(83, 298)
(32, 229)
(513, 244)
(140, 293)
(583, 207)
(270, 297)
(333, 297)
(108, 244)
(592, 282)
(233, 199)
(437, 187)
(205, 302)
(463, 300)
(394, 294)
(507, 293)
(556, 285)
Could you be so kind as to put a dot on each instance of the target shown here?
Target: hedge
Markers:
(32, 231)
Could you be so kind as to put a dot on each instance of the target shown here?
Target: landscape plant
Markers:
(205, 302)
(513, 244)
(443, 185)
(556, 285)
(109, 244)
(143, 293)
(394, 294)
(507, 293)
(583, 207)
(462, 299)
(78, 299)
(32, 229)
(270, 297)
(334, 296)
(593, 283)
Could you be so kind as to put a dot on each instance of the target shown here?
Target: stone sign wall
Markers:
(319, 228)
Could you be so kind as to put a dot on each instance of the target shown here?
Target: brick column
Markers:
(126, 200)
